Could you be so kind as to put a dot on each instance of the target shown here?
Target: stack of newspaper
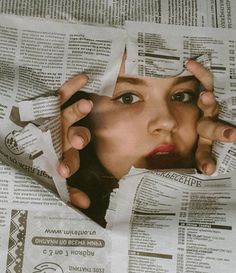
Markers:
(157, 221)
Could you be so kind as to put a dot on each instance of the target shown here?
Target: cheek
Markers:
(186, 114)
(110, 131)
(187, 120)
(115, 139)
(109, 122)
(190, 118)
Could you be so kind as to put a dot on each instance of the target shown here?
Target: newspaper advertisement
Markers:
(175, 223)
(36, 57)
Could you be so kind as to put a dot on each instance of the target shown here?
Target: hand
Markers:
(209, 128)
(74, 138)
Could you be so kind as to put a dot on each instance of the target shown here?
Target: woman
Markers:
(148, 123)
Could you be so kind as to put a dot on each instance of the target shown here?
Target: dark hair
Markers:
(92, 178)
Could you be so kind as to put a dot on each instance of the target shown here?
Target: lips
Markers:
(163, 149)
(164, 156)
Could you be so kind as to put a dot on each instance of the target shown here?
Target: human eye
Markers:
(185, 96)
(127, 98)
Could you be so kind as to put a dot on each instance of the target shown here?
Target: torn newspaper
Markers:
(35, 63)
(170, 222)
(38, 231)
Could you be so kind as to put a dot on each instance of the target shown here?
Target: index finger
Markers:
(71, 86)
(201, 73)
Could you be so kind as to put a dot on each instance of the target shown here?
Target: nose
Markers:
(161, 119)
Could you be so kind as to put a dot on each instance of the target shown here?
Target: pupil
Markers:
(180, 97)
(127, 99)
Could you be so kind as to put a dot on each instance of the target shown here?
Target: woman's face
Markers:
(147, 123)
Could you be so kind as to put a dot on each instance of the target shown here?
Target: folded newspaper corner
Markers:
(42, 140)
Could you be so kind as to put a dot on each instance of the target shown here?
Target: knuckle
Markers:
(62, 93)
(84, 78)
(71, 114)
(87, 135)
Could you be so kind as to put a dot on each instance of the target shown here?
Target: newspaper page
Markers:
(36, 57)
(174, 223)
(212, 13)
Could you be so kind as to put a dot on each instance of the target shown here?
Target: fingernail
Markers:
(90, 103)
(186, 62)
(84, 106)
(79, 142)
(227, 133)
(86, 75)
(64, 169)
(204, 168)
(207, 98)
(201, 95)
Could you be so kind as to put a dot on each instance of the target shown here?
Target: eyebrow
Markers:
(135, 81)
(179, 80)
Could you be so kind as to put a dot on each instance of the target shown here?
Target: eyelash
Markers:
(133, 96)
(180, 96)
